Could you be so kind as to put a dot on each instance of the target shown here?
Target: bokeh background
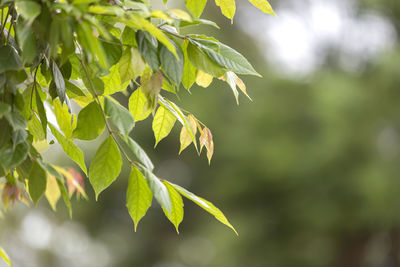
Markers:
(308, 172)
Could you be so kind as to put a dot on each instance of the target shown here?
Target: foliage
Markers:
(54, 55)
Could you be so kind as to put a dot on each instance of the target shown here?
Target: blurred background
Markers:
(308, 172)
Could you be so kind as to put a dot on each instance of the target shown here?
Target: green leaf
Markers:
(105, 166)
(65, 196)
(138, 152)
(29, 10)
(131, 65)
(138, 105)
(4, 109)
(16, 120)
(263, 5)
(196, 7)
(5, 257)
(119, 115)
(9, 59)
(112, 82)
(206, 205)
(70, 148)
(129, 37)
(172, 66)
(189, 71)
(148, 50)
(90, 122)
(228, 7)
(159, 190)
(41, 111)
(138, 196)
(113, 50)
(163, 122)
(37, 182)
(65, 120)
(59, 82)
(203, 62)
(36, 129)
(11, 156)
(225, 56)
(176, 213)
(27, 42)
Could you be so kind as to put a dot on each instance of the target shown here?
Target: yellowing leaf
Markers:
(207, 141)
(176, 214)
(65, 120)
(53, 192)
(203, 79)
(5, 257)
(163, 122)
(180, 14)
(263, 5)
(206, 205)
(185, 137)
(105, 166)
(138, 196)
(138, 105)
(228, 7)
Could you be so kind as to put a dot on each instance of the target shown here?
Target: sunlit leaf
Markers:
(138, 196)
(163, 122)
(90, 122)
(138, 105)
(105, 166)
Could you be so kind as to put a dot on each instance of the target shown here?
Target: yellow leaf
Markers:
(138, 105)
(203, 79)
(185, 137)
(263, 5)
(228, 7)
(163, 122)
(52, 193)
(180, 14)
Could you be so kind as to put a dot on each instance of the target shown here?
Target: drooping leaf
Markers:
(90, 122)
(203, 62)
(263, 5)
(53, 192)
(151, 87)
(138, 105)
(11, 156)
(28, 9)
(206, 205)
(225, 56)
(138, 196)
(9, 59)
(172, 66)
(69, 148)
(160, 191)
(137, 151)
(105, 166)
(37, 182)
(5, 257)
(186, 138)
(41, 111)
(59, 82)
(119, 115)
(228, 7)
(196, 7)
(163, 122)
(176, 213)
(203, 79)
(189, 71)
(65, 120)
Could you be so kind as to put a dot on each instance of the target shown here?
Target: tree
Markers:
(54, 54)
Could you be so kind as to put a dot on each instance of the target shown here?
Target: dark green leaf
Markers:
(172, 66)
(148, 50)
(37, 182)
(59, 82)
(9, 59)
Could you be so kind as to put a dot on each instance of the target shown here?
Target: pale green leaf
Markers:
(163, 122)
(206, 205)
(196, 7)
(138, 196)
(176, 213)
(105, 166)
(28, 9)
(135, 151)
(90, 122)
(69, 148)
(189, 71)
(131, 65)
(119, 116)
(138, 105)
(160, 191)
